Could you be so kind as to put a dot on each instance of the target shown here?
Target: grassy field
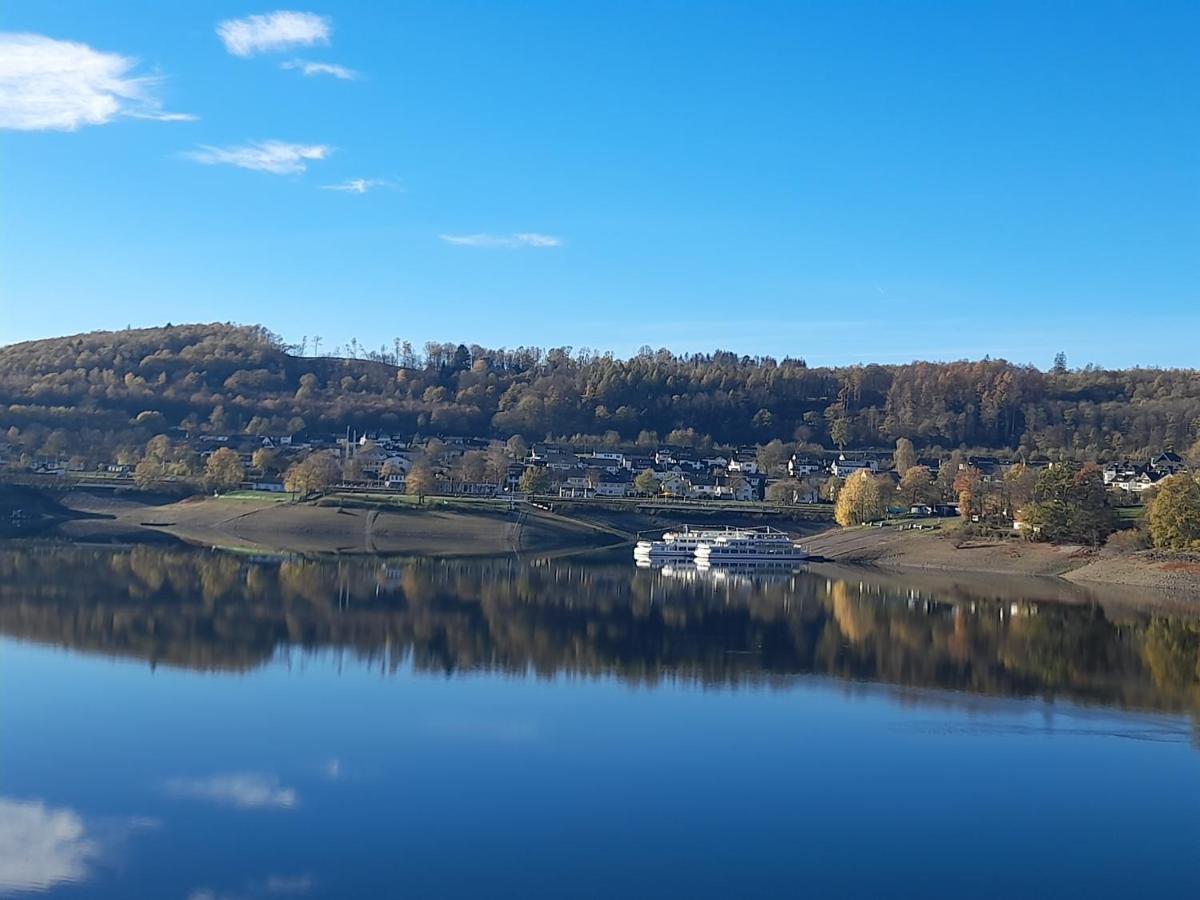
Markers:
(1130, 515)
(261, 496)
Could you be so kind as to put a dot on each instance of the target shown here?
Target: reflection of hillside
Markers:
(213, 611)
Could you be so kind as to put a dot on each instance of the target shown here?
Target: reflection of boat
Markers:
(681, 544)
(745, 572)
(749, 546)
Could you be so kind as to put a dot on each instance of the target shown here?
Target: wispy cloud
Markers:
(62, 85)
(273, 886)
(248, 790)
(274, 31)
(319, 68)
(503, 241)
(289, 884)
(359, 185)
(276, 157)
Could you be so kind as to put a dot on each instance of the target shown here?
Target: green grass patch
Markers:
(268, 496)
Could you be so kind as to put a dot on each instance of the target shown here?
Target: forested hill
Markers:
(85, 392)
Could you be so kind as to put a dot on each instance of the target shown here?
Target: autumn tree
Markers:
(682, 437)
(859, 500)
(1019, 482)
(646, 483)
(266, 460)
(831, 488)
(772, 456)
(517, 448)
(840, 431)
(786, 491)
(1174, 513)
(313, 474)
(905, 456)
(147, 474)
(496, 462)
(916, 486)
(159, 449)
(472, 466)
(535, 480)
(352, 469)
(967, 489)
(947, 473)
(224, 470)
(435, 451)
(420, 481)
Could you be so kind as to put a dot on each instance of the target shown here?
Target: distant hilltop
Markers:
(91, 393)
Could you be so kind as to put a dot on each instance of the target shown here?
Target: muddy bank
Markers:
(1169, 576)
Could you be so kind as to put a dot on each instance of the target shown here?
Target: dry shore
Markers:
(276, 526)
(267, 525)
(941, 551)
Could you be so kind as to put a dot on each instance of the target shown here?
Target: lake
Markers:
(199, 725)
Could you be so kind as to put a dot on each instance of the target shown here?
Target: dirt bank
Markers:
(275, 526)
(942, 551)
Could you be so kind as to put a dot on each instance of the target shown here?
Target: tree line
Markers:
(94, 394)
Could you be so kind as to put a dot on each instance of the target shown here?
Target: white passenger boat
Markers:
(681, 544)
(749, 545)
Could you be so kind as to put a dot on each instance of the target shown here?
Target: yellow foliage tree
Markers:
(1174, 513)
(420, 481)
(224, 471)
(312, 475)
(859, 500)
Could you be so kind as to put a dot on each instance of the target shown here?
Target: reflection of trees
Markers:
(217, 611)
(1171, 651)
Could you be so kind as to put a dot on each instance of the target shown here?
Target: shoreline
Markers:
(1175, 575)
(446, 530)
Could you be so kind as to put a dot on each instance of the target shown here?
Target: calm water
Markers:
(195, 725)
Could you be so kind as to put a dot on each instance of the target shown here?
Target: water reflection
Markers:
(43, 846)
(224, 612)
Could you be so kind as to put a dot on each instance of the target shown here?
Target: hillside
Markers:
(91, 394)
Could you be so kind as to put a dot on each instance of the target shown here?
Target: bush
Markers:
(1128, 540)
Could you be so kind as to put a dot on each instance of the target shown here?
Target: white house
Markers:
(749, 466)
(799, 466)
(842, 466)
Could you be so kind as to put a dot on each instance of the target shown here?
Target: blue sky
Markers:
(839, 181)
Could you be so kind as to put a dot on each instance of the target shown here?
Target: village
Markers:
(378, 462)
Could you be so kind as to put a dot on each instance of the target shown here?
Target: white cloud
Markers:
(359, 185)
(242, 790)
(276, 157)
(320, 68)
(274, 31)
(42, 847)
(62, 85)
(502, 241)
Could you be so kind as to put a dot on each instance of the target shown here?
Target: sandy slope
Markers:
(276, 526)
(940, 551)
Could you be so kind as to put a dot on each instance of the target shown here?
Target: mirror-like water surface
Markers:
(200, 725)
